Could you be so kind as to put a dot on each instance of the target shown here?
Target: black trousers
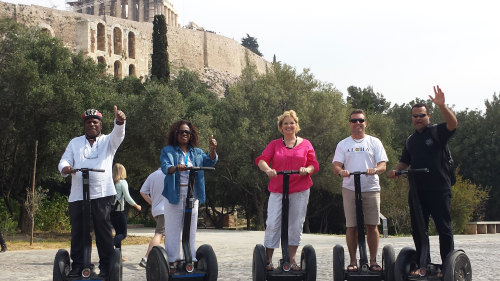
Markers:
(119, 222)
(435, 204)
(2, 240)
(100, 209)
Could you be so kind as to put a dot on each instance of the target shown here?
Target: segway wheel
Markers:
(457, 267)
(157, 266)
(308, 262)
(206, 255)
(338, 263)
(116, 266)
(259, 263)
(61, 265)
(388, 260)
(406, 261)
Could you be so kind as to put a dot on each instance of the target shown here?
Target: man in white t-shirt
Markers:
(151, 192)
(361, 153)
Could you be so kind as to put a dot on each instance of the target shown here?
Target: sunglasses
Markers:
(180, 132)
(422, 115)
(360, 120)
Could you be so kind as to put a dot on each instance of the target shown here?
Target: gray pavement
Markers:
(234, 255)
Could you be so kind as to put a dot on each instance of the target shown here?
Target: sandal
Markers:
(375, 267)
(295, 267)
(269, 266)
(352, 267)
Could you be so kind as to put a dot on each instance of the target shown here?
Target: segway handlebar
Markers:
(288, 172)
(89, 169)
(357, 173)
(194, 168)
(411, 171)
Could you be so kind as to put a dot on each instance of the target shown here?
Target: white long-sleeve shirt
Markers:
(79, 154)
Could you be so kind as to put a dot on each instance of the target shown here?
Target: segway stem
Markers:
(419, 217)
(360, 219)
(285, 201)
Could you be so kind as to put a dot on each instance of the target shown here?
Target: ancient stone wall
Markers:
(126, 46)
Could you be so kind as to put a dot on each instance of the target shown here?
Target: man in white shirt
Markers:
(151, 191)
(92, 150)
(361, 153)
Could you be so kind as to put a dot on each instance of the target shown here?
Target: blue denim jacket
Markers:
(169, 157)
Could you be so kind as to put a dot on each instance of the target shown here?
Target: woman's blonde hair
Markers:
(293, 115)
(119, 172)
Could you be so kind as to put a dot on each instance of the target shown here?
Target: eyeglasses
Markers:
(180, 132)
(422, 115)
(360, 120)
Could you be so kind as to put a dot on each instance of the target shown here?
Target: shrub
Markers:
(52, 214)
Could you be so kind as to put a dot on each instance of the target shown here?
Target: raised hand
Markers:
(119, 115)
(438, 98)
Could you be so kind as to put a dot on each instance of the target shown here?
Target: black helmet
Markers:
(91, 113)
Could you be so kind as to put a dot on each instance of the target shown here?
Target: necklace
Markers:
(284, 143)
(358, 141)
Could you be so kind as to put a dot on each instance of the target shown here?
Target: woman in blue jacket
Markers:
(181, 152)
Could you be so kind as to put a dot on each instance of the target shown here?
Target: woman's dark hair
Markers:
(172, 133)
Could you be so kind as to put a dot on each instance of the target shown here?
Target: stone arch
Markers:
(117, 40)
(118, 69)
(101, 59)
(131, 70)
(101, 37)
(131, 45)
(47, 29)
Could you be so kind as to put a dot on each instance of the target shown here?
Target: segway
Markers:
(283, 271)
(363, 272)
(205, 268)
(62, 262)
(456, 266)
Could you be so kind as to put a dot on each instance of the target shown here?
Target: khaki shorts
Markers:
(160, 225)
(371, 207)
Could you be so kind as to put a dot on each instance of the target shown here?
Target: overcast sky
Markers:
(400, 48)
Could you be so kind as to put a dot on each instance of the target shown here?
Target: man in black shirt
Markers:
(425, 149)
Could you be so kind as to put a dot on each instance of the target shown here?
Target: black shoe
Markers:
(103, 274)
(76, 271)
(4, 248)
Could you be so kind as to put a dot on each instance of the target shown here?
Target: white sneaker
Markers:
(143, 262)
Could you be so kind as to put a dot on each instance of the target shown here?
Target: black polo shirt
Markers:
(422, 150)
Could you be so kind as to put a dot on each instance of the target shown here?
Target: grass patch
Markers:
(51, 240)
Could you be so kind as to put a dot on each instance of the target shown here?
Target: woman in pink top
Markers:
(288, 153)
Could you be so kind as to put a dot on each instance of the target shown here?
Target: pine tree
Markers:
(251, 43)
(159, 65)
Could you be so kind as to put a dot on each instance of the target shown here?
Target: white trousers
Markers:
(174, 221)
(296, 217)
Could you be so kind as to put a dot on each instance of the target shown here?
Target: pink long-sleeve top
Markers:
(280, 158)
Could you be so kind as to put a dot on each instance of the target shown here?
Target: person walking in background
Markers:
(97, 151)
(287, 153)
(181, 152)
(425, 148)
(118, 215)
(361, 153)
(2, 243)
(151, 191)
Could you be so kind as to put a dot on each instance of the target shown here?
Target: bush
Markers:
(8, 224)
(52, 214)
(467, 202)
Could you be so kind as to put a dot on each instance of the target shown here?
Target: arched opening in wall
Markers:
(117, 40)
(46, 31)
(131, 70)
(101, 37)
(131, 45)
(101, 62)
(118, 69)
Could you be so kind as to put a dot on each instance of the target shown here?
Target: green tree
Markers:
(159, 66)
(43, 90)
(251, 43)
(367, 100)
